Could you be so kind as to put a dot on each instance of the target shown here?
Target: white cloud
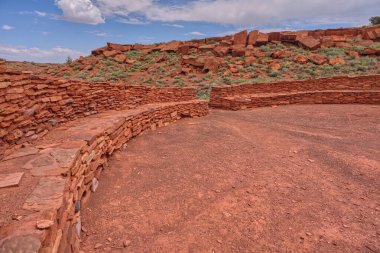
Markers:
(80, 11)
(258, 12)
(132, 21)
(53, 55)
(236, 12)
(195, 33)
(174, 25)
(40, 13)
(7, 27)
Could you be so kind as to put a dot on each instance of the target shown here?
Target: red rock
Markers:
(9, 180)
(44, 224)
(352, 53)
(192, 60)
(206, 48)
(238, 50)
(281, 54)
(120, 58)
(225, 43)
(241, 38)
(290, 37)
(337, 38)
(99, 51)
(370, 52)
(318, 59)
(252, 37)
(274, 36)
(301, 59)
(343, 44)
(171, 46)
(337, 60)
(110, 53)
(259, 53)
(212, 63)
(249, 61)
(262, 39)
(309, 43)
(221, 51)
(369, 35)
(275, 66)
(184, 49)
(118, 47)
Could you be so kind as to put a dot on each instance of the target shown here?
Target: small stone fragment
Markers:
(126, 243)
(98, 245)
(44, 224)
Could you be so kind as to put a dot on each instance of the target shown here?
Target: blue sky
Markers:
(51, 30)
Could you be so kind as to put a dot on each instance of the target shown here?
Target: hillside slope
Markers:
(246, 57)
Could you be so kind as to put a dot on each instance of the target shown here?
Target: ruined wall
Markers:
(31, 105)
(51, 219)
(221, 96)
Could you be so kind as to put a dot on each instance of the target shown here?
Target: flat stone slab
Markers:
(20, 243)
(22, 152)
(47, 194)
(52, 162)
(9, 180)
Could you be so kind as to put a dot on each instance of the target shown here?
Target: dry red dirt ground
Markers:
(285, 179)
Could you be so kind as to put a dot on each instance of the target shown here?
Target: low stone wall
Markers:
(67, 164)
(31, 105)
(312, 97)
(221, 95)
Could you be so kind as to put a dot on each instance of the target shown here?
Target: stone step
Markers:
(302, 97)
(54, 178)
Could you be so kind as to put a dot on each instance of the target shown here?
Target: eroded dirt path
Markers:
(286, 179)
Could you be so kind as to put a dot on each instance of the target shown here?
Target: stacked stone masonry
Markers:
(336, 90)
(65, 166)
(31, 105)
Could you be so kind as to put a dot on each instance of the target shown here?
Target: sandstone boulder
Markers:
(171, 46)
(249, 61)
(336, 61)
(309, 43)
(275, 66)
(343, 44)
(252, 37)
(262, 39)
(282, 54)
(301, 59)
(318, 59)
(238, 50)
(370, 52)
(121, 58)
(110, 53)
(221, 51)
(184, 49)
(352, 53)
(241, 38)
(192, 61)
(118, 47)
(212, 63)
(99, 51)
(206, 48)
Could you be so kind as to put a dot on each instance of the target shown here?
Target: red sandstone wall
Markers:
(371, 82)
(31, 105)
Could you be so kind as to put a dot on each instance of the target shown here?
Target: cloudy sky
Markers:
(51, 30)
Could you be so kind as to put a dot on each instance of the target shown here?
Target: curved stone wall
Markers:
(32, 105)
(335, 90)
(62, 169)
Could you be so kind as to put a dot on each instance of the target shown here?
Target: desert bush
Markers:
(179, 82)
(375, 20)
(333, 52)
(69, 60)
(376, 45)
